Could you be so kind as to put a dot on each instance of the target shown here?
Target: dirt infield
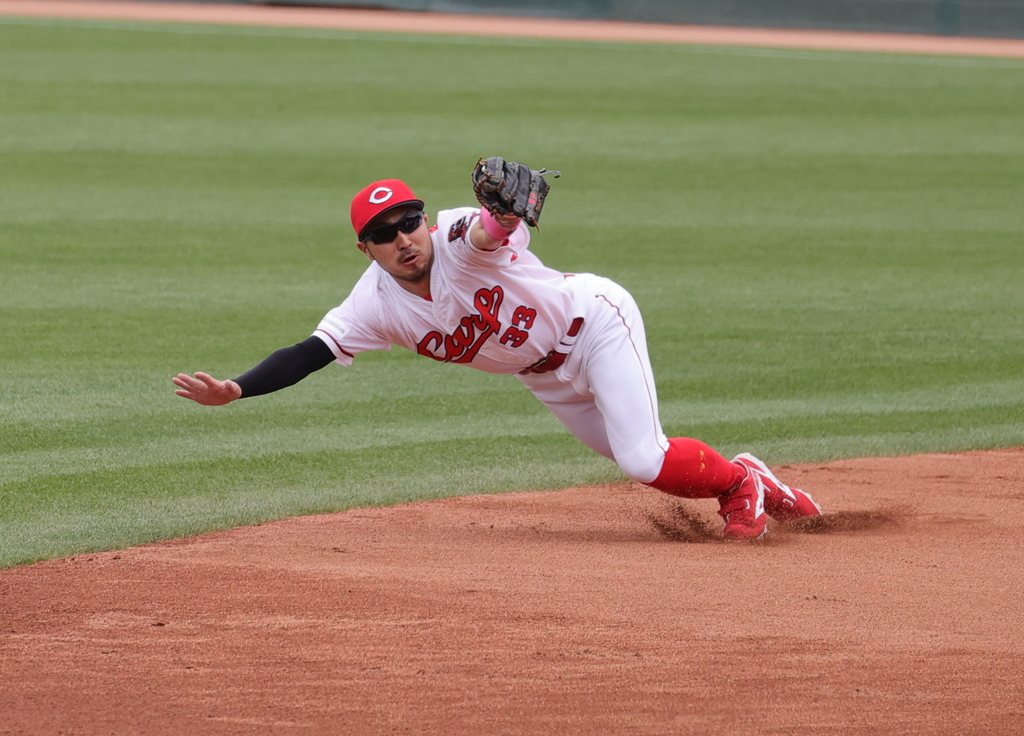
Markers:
(610, 610)
(606, 610)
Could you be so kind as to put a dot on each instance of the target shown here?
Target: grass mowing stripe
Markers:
(889, 444)
(726, 421)
(826, 250)
(997, 394)
(19, 466)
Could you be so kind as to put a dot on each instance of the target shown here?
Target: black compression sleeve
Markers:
(286, 367)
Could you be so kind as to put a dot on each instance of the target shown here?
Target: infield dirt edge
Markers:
(350, 19)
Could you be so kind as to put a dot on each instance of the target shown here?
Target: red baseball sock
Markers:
(694, 470)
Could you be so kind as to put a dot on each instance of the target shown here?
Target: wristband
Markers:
(495, 229)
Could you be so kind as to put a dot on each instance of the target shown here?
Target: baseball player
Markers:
(468, 290)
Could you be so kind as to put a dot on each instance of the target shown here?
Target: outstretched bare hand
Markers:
(206, 390)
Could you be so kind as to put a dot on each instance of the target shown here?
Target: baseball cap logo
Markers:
(380, 195)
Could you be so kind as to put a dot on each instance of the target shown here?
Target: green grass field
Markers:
(826, 246)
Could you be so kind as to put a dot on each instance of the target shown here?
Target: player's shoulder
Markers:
(367, 290)
(370, 279)
(363, 308)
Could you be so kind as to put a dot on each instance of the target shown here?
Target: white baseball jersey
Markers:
(498, 311)
(502, 311)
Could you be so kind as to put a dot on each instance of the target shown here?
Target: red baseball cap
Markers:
(377, 198)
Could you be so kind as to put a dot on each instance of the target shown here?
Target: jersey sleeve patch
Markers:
(458, 229)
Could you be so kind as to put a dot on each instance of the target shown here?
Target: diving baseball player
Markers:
(468, 290)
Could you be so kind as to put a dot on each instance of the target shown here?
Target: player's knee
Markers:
(642, 464)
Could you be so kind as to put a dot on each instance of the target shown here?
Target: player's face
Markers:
(409, 256)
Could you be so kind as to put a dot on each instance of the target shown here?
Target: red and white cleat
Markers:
(780, 501)
(743, 510)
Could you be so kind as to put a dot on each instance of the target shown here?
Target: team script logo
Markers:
(475, 329)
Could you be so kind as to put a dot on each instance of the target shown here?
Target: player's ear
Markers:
(365, 249)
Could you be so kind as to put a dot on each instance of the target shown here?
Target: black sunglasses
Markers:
(387, 233)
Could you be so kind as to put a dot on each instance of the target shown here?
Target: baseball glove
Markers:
(508, 187)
